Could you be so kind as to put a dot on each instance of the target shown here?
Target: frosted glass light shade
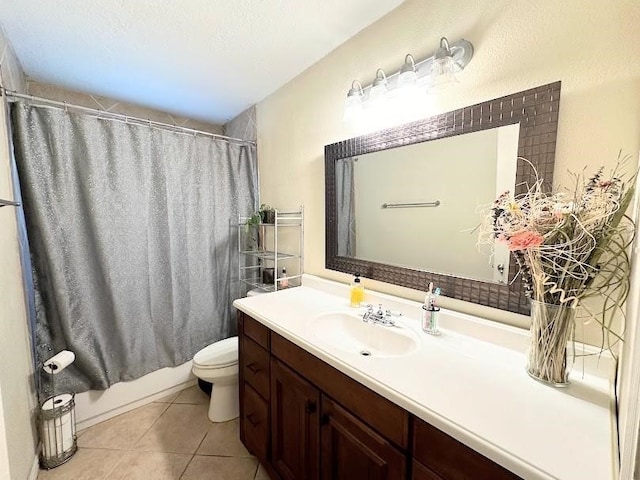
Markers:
(442, 73)
(378, 94)
(353, 108)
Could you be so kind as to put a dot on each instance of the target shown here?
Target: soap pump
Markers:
(357, 291)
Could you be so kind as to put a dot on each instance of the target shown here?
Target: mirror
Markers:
(401, 204)
(416, 206)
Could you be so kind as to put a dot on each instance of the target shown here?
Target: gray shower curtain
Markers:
(132, 237)
(346, 207)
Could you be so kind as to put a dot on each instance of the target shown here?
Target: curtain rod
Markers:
(119, 116)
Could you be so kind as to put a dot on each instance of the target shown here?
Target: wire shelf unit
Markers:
(261, 252)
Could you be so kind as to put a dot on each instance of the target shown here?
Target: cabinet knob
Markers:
(252, 421)
(310, 407)
(324, 420)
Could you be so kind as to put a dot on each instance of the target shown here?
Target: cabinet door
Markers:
(295, 421)
(350, 449)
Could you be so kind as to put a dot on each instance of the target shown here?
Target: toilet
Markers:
(218, 364)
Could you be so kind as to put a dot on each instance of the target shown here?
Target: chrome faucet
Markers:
(380, 317)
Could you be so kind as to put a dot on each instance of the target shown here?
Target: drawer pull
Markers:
(252, 368)
(250, 419)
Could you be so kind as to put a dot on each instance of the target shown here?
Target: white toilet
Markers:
(218, 364)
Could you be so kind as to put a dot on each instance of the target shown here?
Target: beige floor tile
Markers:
(168, 398)
(223, 439)
(180, 429)
(150, 465)
(86, 464)
(122, 432)
(194, 396)
(221, 468)
(262, 474)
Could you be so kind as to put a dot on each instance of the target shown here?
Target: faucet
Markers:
(380, 317)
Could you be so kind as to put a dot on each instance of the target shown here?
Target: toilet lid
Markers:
(219, 354)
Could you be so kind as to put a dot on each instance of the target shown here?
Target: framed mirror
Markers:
(402, 203)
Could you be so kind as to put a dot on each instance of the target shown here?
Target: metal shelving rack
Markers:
(252, 261)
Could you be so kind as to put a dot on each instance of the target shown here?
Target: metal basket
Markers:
(57, 431)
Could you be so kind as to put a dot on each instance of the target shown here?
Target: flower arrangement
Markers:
(568, 246)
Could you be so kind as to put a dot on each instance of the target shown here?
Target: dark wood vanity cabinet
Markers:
(350, 449)
(305, 420)
(295, 424)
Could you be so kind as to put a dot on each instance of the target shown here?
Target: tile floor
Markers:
(171, 439)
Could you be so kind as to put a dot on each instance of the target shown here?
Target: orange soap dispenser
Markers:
(357, 291)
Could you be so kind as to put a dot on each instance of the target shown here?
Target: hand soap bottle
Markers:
(284, 281)
(357, 291)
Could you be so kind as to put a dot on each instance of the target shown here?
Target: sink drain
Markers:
(365, 353)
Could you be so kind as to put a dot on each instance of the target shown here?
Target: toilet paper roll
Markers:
(59, 362)
(57, 433)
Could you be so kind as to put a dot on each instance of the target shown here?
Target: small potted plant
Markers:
(267, 213)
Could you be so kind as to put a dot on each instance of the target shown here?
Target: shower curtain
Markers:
(132, 232)
(346, 207)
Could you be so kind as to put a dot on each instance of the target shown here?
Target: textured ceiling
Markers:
(206, 59)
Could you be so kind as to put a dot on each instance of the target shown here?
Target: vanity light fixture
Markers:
(442, 67)
(408, 77)
(379, 90)
(409, 85)
(353, 103)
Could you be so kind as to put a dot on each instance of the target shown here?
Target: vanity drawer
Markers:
(255, 423)
(450, 459)
(255, 366)
(256, 331)
(387, 418)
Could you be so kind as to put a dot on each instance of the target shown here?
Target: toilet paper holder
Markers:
(57, 426)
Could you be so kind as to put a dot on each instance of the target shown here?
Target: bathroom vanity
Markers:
(457, 406)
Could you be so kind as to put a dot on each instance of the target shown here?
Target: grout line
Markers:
(187, 466)
(151, 426)
(201, 442)
(115, 465)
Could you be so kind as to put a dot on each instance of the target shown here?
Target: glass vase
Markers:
(549, 359)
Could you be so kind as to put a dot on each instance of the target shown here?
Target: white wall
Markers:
(590, 45)
(16, 385)
(53, 92)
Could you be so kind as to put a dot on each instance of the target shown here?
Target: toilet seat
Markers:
(223, 353)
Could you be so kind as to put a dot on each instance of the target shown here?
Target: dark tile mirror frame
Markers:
(536, 110)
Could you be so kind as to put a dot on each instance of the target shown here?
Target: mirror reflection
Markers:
(416, 206)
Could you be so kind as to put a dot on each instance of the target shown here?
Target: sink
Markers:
(346, 331)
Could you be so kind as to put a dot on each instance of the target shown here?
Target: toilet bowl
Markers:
(218, 364)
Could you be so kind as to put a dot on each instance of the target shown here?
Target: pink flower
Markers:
(524, 240)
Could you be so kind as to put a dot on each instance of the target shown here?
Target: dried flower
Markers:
(524, 240)
(563, 244)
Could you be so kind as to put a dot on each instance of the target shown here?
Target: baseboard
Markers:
(97, 406)
(35, 468)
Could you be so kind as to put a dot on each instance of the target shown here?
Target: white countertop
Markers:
(470, 382)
